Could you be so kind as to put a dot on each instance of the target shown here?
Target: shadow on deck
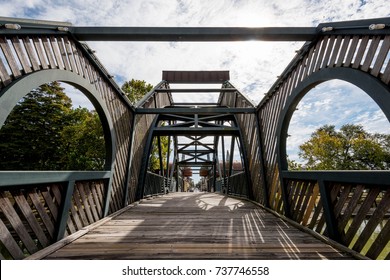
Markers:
(196, 226)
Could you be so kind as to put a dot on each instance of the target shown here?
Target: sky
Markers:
(253, 65)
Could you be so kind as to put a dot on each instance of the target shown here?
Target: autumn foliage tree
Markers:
(350, 148)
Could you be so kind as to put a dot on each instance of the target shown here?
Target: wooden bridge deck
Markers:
(196, 226)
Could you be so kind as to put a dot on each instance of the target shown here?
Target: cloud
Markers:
(335, 103)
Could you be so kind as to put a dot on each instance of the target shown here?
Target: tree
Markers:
(136, 89)
(44, 132)
(350, 148)
(31, 139)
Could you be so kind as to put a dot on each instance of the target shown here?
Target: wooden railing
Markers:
(350, 207)
(154, 184)
(39, 208)
(238, 185)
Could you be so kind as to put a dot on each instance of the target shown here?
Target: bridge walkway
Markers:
(196, 226)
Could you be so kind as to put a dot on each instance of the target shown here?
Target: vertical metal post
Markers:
(331, 224)
(262, 165)
(129, 164)
(64, 210)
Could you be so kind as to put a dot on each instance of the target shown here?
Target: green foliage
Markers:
(351, 148)
(136, 89)
(43, 132)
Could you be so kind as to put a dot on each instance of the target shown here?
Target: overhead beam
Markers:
(191, 34)
(192, 111)
(182, 131)
(196, 90)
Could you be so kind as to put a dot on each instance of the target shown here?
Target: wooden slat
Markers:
(80, 208)
(336, 51)
(361, 215)
(60, 44)
(360, 52)
(98, 204)
(380, 242)
(343, 50)
(346, 216)
(40, 52)
(311, 205)
(31, 219)
(69, 51)
(50, 204)
(371, 53)
(351, 51)
(31, 53)
(381, 57)
(17, 224)
(9, 57)
(84, 202)
(386, 74)
(4, 76)
(49, 52)
(328, 52)
(42, 211)
(321, 54)
(178, 227)
(75, 216)
(341, 201)
(91, 203)
(373, 222)
(57, 54)
(9, 242)
(19, 50)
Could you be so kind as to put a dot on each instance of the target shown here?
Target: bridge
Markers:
(260, 210)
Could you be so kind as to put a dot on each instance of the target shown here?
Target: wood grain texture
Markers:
(196, 226)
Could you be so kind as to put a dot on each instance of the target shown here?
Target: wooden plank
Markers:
(343, 50)
(361, 215)
(49, 52)
(80, 208)
(342, 200)
(42, 211)
(380, 242)
(40, 52)
(305, 202)
(19, 50)
(31, 219)
(50, 203)
(360, 52)
(55, 48)
(17, 224)
(381, 57)
(375, 219)
(84, 202)
(353, 202)
(328, 52)
(321, 54)
(60, 44)
(75, 215)
(315, 57)
(336, 51)
(386, 74)
(371, 53)
(91, 203)
(69, 51)
(351, 51)
(9, 57)
(9, 242)
(76, 54)
(31, 53)
(177, 227)
(4, 76)
(98, 203)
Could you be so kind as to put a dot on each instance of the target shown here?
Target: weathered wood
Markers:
(371, 53)
(9, 242)
(42, 211)
(17, 224)
(375, 219)
(381, 57)
(31, 53)
(4, 76)
(200, 226)
(31, 219)
(49, 52)
(9, 57)
(19, 50)
(40, 52)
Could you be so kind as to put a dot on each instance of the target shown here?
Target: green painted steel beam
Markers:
(181, 131)
(192, 111)
(21, 178)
